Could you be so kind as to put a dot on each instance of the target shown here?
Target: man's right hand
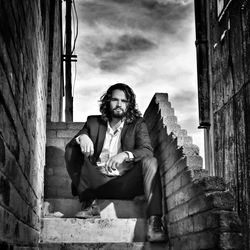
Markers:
(86, 144)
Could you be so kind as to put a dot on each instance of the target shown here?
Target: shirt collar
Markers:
(110, 130)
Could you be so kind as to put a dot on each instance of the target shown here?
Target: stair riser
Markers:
(93, 230)
(105, 246)
(110, 209)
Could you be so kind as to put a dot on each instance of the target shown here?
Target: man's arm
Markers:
(75, 140)
(143, 147)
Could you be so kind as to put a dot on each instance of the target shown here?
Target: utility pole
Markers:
(68, 77)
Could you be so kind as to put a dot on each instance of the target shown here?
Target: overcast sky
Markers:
(147, 44)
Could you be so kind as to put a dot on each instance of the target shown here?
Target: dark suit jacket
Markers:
(134, 137)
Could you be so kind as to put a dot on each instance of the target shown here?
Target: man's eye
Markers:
(124, 101)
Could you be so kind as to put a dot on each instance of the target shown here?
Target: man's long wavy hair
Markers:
(132, 112)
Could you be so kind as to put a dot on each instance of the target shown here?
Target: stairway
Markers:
(122, 224)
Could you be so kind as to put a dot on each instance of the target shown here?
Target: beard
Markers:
(118, 113)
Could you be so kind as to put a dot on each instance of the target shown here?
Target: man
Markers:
(112, 158)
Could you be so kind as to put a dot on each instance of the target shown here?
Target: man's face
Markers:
(118, 104)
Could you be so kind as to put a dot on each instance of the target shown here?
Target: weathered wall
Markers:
(24, 42)
(230, 52)
(198, 209)
(55, 69)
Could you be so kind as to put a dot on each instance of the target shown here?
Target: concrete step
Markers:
(104, 246)
(109, 208)
(72, 230)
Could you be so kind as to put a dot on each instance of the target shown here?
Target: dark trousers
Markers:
(142, 179)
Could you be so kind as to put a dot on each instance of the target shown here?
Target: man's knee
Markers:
(72, 153)
(149, 163)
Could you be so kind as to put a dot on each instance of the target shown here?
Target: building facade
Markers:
(223, 52)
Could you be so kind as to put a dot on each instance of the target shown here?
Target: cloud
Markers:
(146, 15)
(114, 55)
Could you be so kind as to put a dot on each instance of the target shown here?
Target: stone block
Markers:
(166, 110)
(180, 197)
(208, 183)
(187, 191)
(230, 240)
(194, 161)
(51, 134)
(104, 246)
(181, 227)
(14, 174)
(183, 179)
(55, 142)
(161, 98)
(217, 199)
(14, 230)
(173, 128)
(190, 150)
(203, 240)
(168, 154)
(56, 126)
(168, 120)
(172, 172)
(184, 140)
(75, 126)
(177, 213)
(66, 230)
(10, 198)
(182, 132)
(66, 133)
(26, 247)
(109, 209)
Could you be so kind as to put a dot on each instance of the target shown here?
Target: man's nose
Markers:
(119, 103)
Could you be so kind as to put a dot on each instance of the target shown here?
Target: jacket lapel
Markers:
(123, 133)
(100, 138)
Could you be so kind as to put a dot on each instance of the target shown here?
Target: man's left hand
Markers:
(114, 162)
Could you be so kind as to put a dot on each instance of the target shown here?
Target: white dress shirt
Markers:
(111, 147)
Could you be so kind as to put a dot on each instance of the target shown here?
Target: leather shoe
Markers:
(155, 230)
(89, 209)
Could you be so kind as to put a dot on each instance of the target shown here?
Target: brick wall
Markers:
(57, 183)
(24, 36)
(198, 209)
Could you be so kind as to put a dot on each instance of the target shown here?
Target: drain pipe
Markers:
(67, 59)
(204, 80)
(202, 62)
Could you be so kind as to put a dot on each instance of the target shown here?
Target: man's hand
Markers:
(86, 145)
(114, 162)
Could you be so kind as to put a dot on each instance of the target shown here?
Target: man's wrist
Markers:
(129, 155)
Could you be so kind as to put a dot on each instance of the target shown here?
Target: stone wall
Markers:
(198, 209)
(24, 42)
